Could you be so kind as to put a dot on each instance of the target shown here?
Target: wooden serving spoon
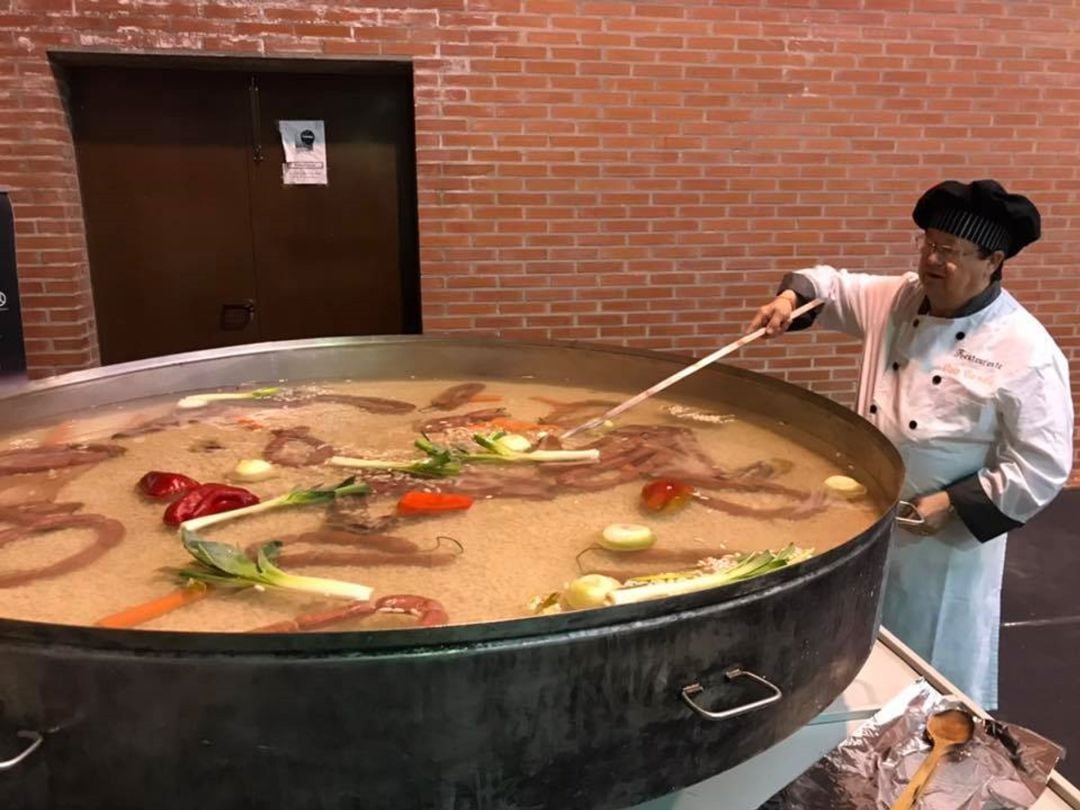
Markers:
(947, 730)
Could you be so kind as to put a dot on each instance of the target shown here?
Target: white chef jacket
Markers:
(978, 404)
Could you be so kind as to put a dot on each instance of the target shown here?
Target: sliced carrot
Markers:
(60, 433)
(485, 398)
(140, 614)
(415, 502)
(502, 423)
(514, 424)
(249, 423)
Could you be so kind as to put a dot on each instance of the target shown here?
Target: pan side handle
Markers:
(688, 693)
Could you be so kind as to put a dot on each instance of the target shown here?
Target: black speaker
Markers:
(12, 350)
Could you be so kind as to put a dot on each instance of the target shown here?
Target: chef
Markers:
(973, 392)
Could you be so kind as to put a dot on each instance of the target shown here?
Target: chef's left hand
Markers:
(936, 509)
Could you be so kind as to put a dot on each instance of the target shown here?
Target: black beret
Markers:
(981, 212)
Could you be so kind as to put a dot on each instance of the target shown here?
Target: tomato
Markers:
(665, 495)
(208, 499)
(165, 484)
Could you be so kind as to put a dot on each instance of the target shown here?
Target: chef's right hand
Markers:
(775, 316)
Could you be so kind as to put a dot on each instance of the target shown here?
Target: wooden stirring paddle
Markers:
(947, 730)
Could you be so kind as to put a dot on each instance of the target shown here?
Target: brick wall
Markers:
(631, 172)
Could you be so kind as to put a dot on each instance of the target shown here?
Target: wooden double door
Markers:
(194, 239)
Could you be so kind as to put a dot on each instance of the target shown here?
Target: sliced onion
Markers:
(515, 442)
(253, 469)
(844, 487)
(589, 591)
(627, 537)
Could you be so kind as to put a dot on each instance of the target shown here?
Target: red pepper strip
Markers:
(208, 499)
(665, 495)
(165, 484)
(422, 503)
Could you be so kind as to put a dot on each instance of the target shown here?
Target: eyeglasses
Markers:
(947, 253)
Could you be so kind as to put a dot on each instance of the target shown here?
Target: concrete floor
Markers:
(1040, 634)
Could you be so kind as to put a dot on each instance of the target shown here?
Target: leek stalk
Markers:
(223, 564)
(739, 567)
(300, 497)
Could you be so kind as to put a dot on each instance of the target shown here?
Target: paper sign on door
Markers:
(305, 153)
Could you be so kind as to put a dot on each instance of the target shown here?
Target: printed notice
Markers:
(305, 153)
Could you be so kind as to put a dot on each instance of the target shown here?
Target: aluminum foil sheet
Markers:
(1003, 767)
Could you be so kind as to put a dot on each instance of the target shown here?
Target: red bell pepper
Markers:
(665, 495)
(208, 499)
(157, 484)
(416, 502)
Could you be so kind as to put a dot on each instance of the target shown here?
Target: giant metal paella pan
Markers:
(584, 709)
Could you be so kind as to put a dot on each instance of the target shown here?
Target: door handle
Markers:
(35, 738)
(237, 315)
(256, 119)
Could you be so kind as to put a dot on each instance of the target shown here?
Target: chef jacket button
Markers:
(937, 379)
(895, 366)
(912, 424)
(959, 335)
(873, 409)
(915, 322)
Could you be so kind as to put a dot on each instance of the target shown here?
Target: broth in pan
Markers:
(454, 531)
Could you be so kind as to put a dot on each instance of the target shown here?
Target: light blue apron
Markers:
(943, 599)
(943, 592)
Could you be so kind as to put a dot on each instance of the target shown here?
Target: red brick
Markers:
(636, 172)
